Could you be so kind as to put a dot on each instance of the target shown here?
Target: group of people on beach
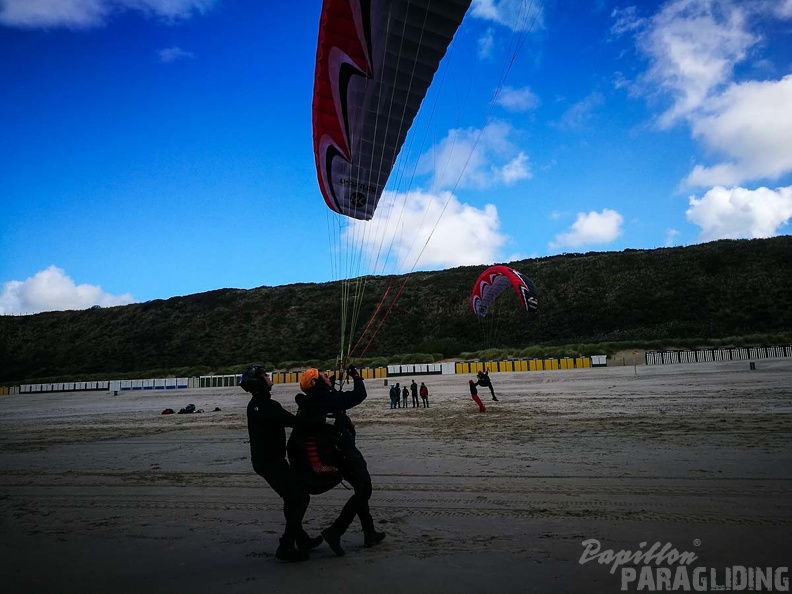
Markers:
(399, 396)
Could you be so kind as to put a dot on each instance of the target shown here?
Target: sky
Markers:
(157, 148)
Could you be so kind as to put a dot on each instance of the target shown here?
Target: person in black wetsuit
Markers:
(414, 390)
(267, 421)
(485, 382)
(319, 400)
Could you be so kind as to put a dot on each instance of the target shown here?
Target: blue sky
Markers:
(154, 148)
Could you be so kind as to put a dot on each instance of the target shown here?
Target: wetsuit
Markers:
(267, 422)
(315, 405)
(485, 381)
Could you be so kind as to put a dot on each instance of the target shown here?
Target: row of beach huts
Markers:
(448, 368)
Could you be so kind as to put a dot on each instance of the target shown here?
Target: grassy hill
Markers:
(696, 296)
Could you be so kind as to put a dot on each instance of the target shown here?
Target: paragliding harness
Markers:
(315, 456)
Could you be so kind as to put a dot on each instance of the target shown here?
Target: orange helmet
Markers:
(308, 379)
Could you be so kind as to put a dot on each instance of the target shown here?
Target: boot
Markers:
(495, 398)
(305, 543)
(333, 539)
(372, 537)
(288, 553)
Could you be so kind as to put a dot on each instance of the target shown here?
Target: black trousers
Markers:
(282, 478)
(354, 470)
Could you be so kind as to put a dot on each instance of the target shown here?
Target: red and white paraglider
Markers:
(496, 279)
(375, 61)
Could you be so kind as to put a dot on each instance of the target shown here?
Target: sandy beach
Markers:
(102, 493)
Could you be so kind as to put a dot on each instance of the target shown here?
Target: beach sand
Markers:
(101, 493)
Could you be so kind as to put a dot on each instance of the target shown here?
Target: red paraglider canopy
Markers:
(375, 61)
(494, 280)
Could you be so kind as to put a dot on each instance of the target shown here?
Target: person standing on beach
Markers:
(474, 395)
(394, 396)
(424, 395)
(485, 382)
(267, 421)
(318, 400)
(414, 390)
(405, 396)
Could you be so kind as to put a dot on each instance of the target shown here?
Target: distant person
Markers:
(394, 396)
(414, 391)
(319, 400)
(474, 395)
(485, 382)
(405, 396)
(397, 391)
(424, 391)
(267, 421)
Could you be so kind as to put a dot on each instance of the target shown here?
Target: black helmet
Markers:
(252, 379)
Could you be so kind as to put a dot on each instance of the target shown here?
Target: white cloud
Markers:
(783, 9)
(77, 14)
(515, 170)
(518, 15)
(693, 46)
(486, 44)
(85, 14)
(476, 159)
(671, 237)
(517, 99)
(589, 229)
(735, 213)
(464, 235)
(52, 290)
(626, 20)
(750, 123)
(580, 114)
(171, 54)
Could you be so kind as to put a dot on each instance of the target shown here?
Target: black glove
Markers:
(352, 371)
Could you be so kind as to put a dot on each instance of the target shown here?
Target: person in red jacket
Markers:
(474, 395)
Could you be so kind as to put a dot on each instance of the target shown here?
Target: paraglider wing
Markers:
(496, 279)
(375, 60)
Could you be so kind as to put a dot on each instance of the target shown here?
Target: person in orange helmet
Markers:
(319, 400)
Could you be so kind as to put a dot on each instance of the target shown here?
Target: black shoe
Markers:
(495, 399)
(333, 540)
(373, 537)
(305, 543)
(289, 554)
